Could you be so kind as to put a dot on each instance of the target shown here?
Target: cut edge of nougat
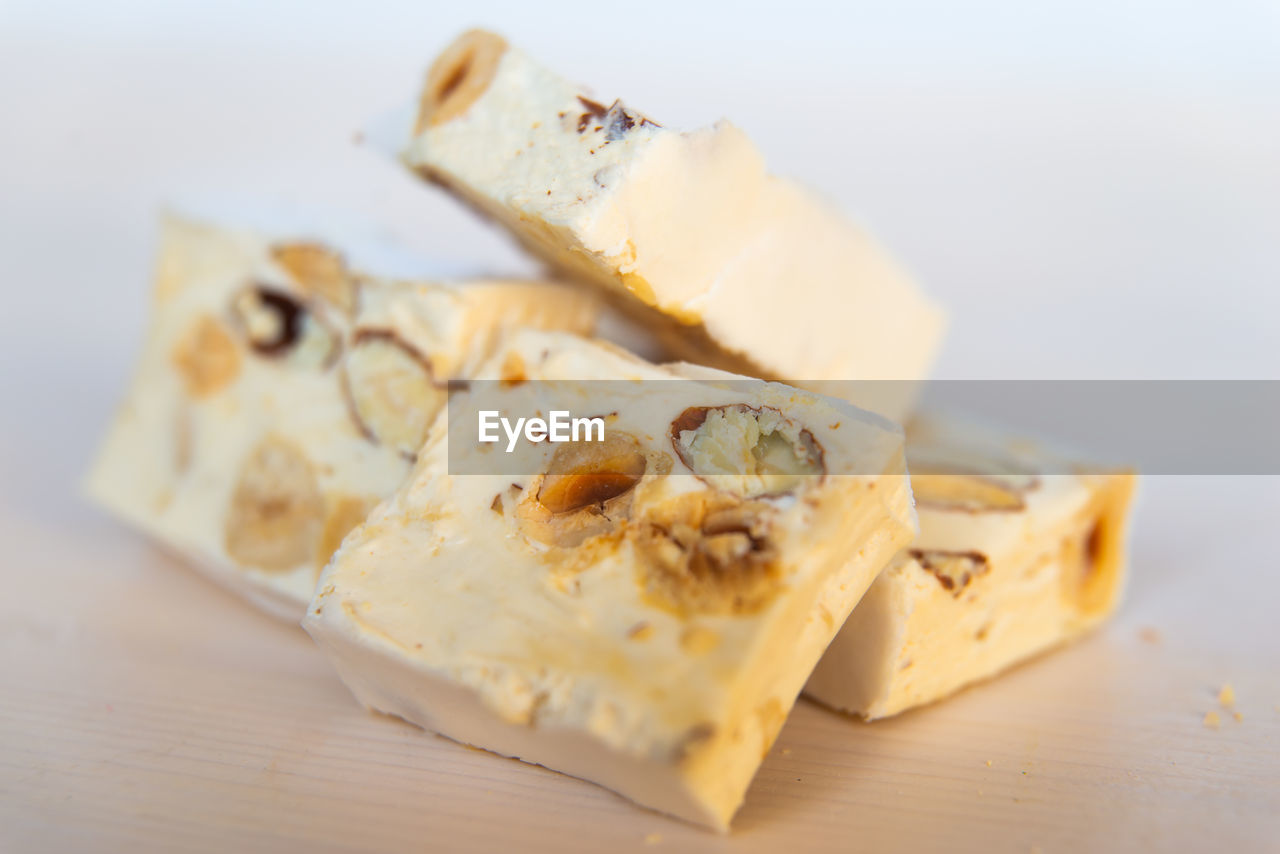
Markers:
(850, 681)
(385, 680)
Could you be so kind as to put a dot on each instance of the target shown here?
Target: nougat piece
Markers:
(1020, 550)
(763, 276)
(640, 611)
(281, 394)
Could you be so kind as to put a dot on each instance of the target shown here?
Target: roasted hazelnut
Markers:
(319, 272)
(586, 490)
(206, 357)
(588, 473)
(392, 394)
(277, 325)
(746, 451)
(707, 553)
(459, 76)
(277, 511)
(969, 493)
(1094, 554)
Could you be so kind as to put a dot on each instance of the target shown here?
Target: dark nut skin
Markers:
(966, 493)
(594, 110)
(954, 570)
(458, 77)
(290, 313)
(615, 120)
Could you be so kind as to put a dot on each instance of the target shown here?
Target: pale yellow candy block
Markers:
(743, 270)
(1019, 552)
(640, 611)
(281, 394)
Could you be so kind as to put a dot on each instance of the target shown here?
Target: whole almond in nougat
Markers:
(746, 271)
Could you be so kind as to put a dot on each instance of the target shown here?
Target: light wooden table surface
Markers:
(142, 708)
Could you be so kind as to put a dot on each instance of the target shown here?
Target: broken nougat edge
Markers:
(241, 444)
(1006, 567)
(686, 756)
(689, 224)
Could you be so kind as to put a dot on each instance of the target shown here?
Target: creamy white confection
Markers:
(281, 394)
(1019, 551)
(764, 276)
(639, 612)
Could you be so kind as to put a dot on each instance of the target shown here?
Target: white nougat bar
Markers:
(765, 277)
(1019, 551)
(281, 394)
(640, 611)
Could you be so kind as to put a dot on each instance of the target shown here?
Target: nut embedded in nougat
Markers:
(206, 357)
(1020, 549)
(459, 76)
(586, 491)
(345, 512)
(585, 474)
(954, 570)
(744, 450)
(277, 510)
(970, 493)
(391, 390)
(1095, 558)
(319, 271)
(279, 326)
(708, 553)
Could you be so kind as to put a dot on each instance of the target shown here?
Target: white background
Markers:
(1093, 189)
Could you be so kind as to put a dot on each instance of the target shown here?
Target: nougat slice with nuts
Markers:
(640, 611)
(1019, 551)
(760, 275)
(281, 394)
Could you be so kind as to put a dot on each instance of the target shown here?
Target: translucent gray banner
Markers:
(998, 427)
